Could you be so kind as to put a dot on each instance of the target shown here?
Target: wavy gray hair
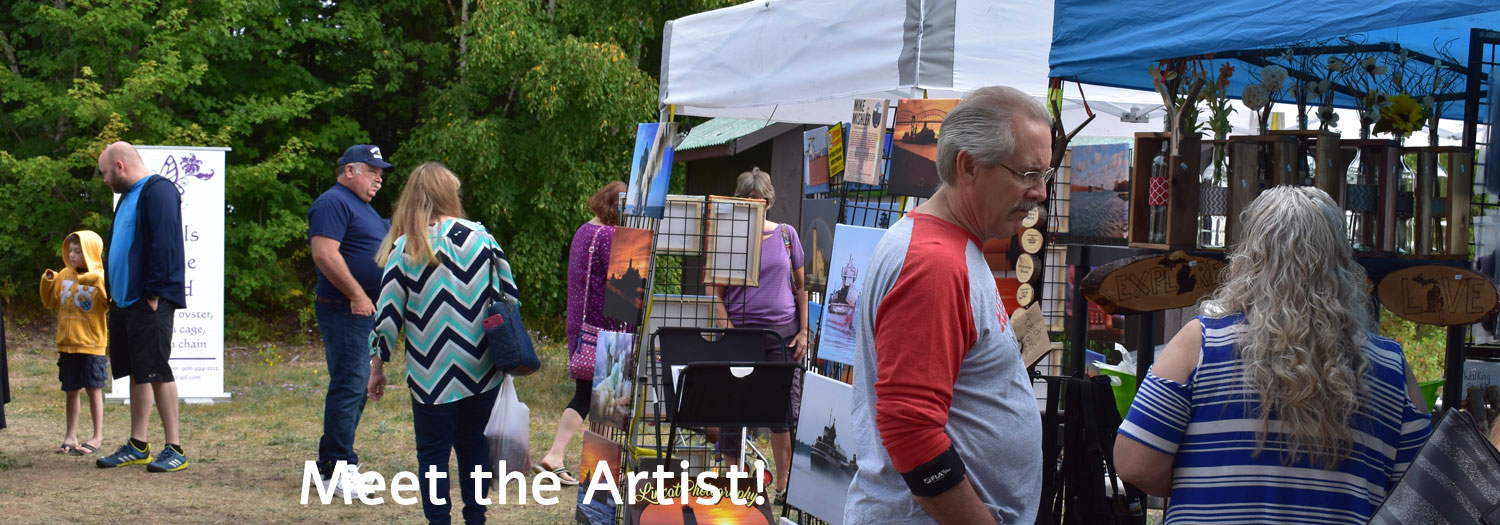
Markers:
(1307, 313)
(983, 125)
(756, 184)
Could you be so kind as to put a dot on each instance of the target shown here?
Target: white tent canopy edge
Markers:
(805, 61)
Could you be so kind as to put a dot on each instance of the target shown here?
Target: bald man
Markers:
(144, 270)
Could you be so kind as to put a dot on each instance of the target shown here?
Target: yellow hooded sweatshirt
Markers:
(79, 296)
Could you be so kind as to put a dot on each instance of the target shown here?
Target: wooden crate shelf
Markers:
(1182, 200)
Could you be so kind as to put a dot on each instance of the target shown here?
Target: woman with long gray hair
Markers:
(1280, 402)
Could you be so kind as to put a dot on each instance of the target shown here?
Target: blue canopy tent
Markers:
(1114, 43)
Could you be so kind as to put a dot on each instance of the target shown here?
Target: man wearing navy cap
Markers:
(345, 232)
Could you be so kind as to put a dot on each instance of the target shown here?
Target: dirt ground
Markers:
(247, 455)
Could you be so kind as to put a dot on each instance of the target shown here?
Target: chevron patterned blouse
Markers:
(441, 310)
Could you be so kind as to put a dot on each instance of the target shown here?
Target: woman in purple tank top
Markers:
(779, 303)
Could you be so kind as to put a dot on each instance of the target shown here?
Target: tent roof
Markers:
(1090, 42)
(805, 61)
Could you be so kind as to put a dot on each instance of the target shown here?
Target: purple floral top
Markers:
(586, 286)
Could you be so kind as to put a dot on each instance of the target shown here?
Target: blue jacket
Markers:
(156, 254)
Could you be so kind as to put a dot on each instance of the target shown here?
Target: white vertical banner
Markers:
(198, 331)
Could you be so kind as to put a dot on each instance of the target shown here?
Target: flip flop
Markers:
(64, 449)
(559, 472)
(83, 449)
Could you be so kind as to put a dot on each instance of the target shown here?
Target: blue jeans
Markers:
(346, 346)
(456, 426)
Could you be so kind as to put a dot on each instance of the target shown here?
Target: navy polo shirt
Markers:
(340, 215)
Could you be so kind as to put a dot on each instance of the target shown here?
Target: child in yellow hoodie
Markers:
(78, 294)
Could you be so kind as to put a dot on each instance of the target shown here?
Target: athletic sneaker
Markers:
(353, 481)
(126, 455)
(168, 461)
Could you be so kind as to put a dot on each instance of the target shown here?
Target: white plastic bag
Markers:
(509, 431)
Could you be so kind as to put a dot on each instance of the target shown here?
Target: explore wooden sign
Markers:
(1151, 283)
(1438, 295)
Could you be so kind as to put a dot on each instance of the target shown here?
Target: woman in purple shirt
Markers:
(588, 264)
(779, 303)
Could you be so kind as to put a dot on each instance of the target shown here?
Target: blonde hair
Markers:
(756, 184)
(430, 192)
(1307, 313)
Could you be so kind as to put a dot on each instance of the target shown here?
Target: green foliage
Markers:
(533, 104)
(1425, 346)
(543, 114)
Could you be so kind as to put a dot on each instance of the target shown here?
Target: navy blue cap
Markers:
(366, 153)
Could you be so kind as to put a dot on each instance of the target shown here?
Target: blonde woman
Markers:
(1280, 403)
(441, 271)
(779, 303)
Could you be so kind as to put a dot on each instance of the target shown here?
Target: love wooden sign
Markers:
(1438, 295)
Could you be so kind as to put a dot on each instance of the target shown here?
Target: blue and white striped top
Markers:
(1210, 428)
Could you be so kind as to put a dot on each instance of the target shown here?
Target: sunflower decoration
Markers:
(1401, 116)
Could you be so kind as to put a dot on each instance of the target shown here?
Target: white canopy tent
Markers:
(805, 61)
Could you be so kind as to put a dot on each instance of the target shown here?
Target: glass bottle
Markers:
(1156, 196)
(1360, 202)
(1213, 198)
(1406, 234)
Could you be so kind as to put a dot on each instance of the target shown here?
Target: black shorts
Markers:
(77, 371)
(140, 342)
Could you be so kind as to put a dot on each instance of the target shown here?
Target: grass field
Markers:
(247, 455)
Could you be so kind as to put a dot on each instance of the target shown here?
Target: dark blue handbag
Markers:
(505, 334)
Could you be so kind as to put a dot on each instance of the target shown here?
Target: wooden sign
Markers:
(1031, 240)
(1025, 267)
(1151, 283)
(1438, 295)
(1031, 333)
(1025, 295)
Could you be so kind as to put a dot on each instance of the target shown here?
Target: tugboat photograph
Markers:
(826, 452)
(822, 463)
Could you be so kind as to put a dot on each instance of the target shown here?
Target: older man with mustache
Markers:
(947, 423)
(345, 232)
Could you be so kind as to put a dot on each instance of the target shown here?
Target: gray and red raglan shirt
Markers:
(940, 390)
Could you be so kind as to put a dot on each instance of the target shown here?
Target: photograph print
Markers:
(852, 248)
(818, 218)
(866, 134)
(598, 452)
(610, 405)
(629, 265)
(1099, 210)
(697, 512)
(650, 169)
(913, 169)
(815, 160)
(823, 460)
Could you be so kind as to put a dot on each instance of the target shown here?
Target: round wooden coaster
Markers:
(1031, 240)
(1025, 267)
(1032, 217)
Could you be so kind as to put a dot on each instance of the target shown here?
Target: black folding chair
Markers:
(724, 379)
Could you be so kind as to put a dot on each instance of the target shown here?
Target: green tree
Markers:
(533, 103)
(237, 73)
(543, 112)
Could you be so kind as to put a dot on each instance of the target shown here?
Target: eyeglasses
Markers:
(1032, 179)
